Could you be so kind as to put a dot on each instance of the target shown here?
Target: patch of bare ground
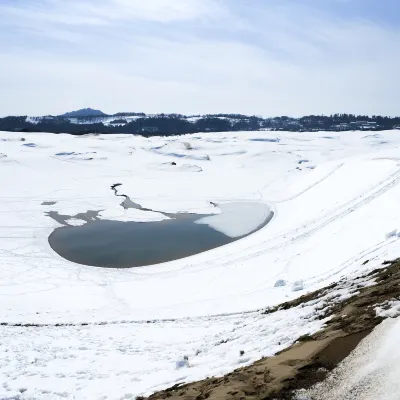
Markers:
(308, 360)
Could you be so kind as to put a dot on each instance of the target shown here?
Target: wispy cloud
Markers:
(85, 12)
(266, 57)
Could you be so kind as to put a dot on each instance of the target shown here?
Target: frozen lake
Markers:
(116, 244)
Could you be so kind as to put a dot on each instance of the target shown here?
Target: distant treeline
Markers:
(175, 124)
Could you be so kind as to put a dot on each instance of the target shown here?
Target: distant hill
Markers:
(84, 112)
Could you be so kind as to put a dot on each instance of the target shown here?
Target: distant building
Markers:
(367, 126)
(358, 123)
(342, 127)
(363, 125)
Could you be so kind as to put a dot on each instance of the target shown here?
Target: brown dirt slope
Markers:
(307, 361)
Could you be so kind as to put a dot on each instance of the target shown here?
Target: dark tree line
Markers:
(175, 124)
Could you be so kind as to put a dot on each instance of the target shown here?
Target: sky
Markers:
(262, 57)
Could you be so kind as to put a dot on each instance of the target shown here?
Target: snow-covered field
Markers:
(334, 198)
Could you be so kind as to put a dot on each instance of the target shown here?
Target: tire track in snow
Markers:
(295, 196)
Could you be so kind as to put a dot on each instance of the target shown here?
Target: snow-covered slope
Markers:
(371, 372)
(334, 199)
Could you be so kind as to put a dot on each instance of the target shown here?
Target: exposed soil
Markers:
(310, 359)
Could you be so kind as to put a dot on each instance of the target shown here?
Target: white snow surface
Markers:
(390, 309)
(124, 360)
(121, 360)
(237, 219)
(330, 215)
(371, 372)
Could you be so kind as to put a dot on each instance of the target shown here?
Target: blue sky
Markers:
(265, 57)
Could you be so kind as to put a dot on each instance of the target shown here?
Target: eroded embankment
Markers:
(310, 359)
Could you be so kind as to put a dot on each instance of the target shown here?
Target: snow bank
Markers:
(297, 286)
(390, 309)
(371, 372)
(392, 234)
(178, 149)
(175, 167)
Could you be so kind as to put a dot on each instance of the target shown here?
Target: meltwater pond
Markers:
(115, 244)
